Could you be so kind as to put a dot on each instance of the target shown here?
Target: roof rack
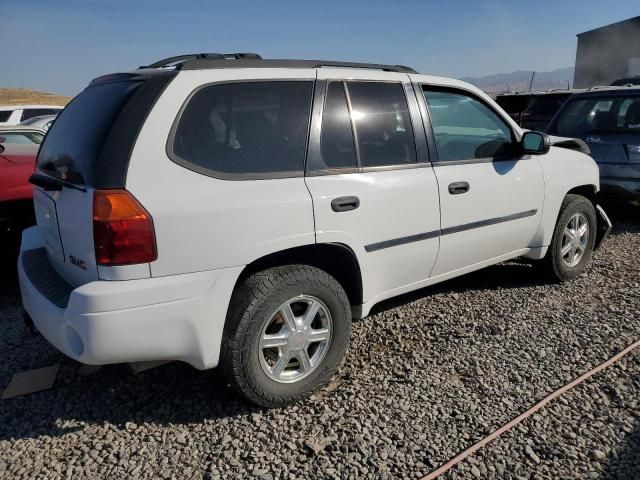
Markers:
(174, 61)
(203, 61)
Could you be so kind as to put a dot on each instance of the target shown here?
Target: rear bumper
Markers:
(178, 317)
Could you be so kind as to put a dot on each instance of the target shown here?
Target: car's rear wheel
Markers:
(287, 332)
(573, 239)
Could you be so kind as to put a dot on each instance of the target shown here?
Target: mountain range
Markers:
(519, 81)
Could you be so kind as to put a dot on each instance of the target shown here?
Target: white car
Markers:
(15, 114)
(229, 210)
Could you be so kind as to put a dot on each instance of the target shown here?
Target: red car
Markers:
(17, 163)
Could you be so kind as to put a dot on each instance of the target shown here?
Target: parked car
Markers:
(608, 119)
(631, 80)
(515, 103)
(43, 122)
(17, 163)
(234, 211)
(543, 107)
(21, 135)
(14, 114)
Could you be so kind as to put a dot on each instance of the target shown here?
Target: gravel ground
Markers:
(427, 375)
(591, 432)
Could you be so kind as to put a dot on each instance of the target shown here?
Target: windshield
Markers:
(72, 146)
(583, 116)
(23, 138)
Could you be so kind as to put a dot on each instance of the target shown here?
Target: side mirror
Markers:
(536, 143)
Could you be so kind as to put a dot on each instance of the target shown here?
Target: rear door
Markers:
(491, 196)
(373, 188)
(77, 150)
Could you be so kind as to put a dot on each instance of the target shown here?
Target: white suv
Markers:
(225, 209)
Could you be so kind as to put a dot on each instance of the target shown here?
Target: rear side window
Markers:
(383, 126)
(250, 130)
(5, 114)
(465, 128)
(336, 141)
(28, 113)
(73, 143)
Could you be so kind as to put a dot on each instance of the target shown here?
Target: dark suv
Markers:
(608, 119)
(542, 108)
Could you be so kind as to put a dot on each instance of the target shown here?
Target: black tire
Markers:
(553, 265)
(252, 305)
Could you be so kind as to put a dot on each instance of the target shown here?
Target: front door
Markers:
(491, 196)
(372, 186)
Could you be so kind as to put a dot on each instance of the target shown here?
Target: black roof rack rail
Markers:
(203, 63)
(165, 62)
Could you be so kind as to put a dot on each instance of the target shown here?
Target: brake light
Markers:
(123, 231)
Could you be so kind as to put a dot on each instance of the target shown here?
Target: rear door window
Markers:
(336, 141)
(72, 146)
(5, 114)
(245, 130)
(381, 118)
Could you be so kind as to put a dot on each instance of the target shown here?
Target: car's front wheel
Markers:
(287, 332)
(573, 239)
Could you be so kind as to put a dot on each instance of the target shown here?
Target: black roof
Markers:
(203, 61)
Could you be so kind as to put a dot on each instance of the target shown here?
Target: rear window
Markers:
(583, 116)
(72, 146)
(5, 114)
(245, 130)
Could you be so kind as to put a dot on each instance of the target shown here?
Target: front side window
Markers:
(253, 128)
(5, 114)
(465, 128)
(383, 126)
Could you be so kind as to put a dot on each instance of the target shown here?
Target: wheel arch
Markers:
(337, 259)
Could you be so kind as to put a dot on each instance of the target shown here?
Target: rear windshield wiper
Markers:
(52, 183)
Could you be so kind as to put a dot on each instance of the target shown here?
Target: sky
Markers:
(59, 46)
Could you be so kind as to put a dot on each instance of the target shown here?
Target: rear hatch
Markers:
(87, 149)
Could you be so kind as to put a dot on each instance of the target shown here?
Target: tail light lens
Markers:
(123, 231)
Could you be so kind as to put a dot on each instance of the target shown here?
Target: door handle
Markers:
(456, 188)
(344, 204)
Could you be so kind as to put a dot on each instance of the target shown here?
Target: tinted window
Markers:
(72, 145)
(465, 128)
(583, 116)
(383, 126)
(5, 114)
(546, 104)
(513, 103)
(246, 128)
(36, 112)
(338, 149)
(24, 138)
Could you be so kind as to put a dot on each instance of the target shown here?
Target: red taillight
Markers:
(122, 229)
